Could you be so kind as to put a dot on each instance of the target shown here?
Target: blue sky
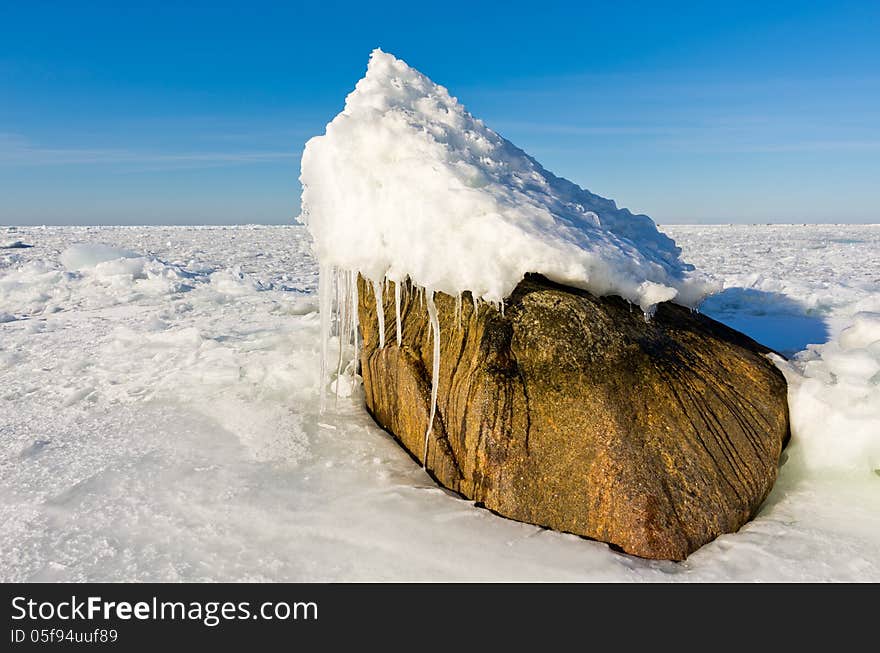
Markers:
(193, 113)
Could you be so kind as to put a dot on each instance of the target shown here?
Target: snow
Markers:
(406, 183)
(834, 394)
(84, 256)
(163, 423)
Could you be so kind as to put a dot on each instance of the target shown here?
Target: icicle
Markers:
(343, 322)
(380, 312)
(397, 310)
(501, 307)
(476, 303)
(435, 367)
(326, 277)
(353, 277)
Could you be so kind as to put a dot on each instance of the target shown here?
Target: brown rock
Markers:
(575, 413)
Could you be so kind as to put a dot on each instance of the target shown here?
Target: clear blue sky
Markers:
(182, 113)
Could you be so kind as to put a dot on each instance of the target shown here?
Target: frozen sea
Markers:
(159, 420)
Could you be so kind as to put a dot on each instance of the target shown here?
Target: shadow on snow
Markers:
(773, 319)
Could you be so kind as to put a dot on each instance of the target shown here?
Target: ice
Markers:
(13, 244)
(863, 333)
(406, 183)
(89, 255)
(834, 396)
(397, 293)
(193, 448)
(326, 280)
(380, 312)
(233, 282)
(435, 367)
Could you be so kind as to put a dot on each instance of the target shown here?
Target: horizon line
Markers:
(300, 224)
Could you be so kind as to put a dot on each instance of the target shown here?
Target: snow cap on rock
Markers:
(407, 183)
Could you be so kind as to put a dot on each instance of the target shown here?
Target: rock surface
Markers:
(576, 413)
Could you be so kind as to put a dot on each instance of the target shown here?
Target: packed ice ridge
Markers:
(407, 185)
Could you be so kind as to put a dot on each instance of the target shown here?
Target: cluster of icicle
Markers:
(338, 306)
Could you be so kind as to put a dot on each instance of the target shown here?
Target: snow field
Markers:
(160, 420)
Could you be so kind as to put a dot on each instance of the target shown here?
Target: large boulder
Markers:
(577, 413)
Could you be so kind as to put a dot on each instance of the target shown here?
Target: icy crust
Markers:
(406, 183)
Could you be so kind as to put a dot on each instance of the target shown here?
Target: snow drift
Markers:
(834, 397)
(406, 183)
